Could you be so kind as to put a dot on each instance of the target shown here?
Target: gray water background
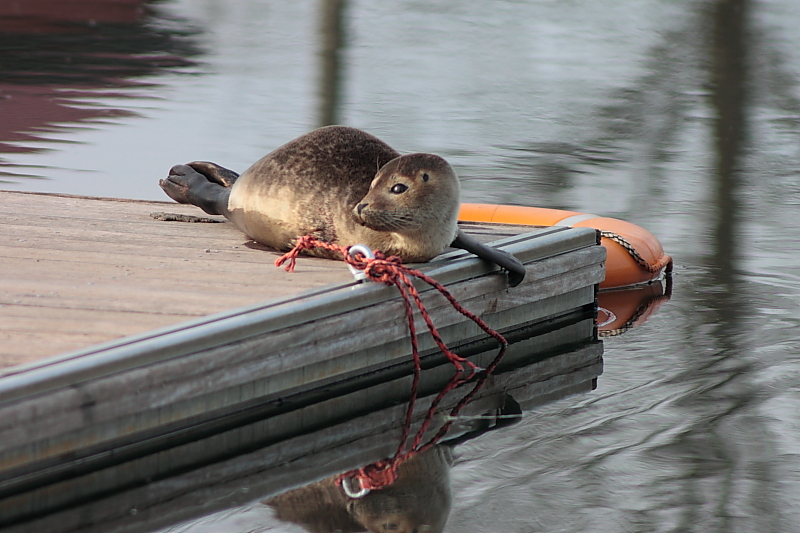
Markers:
(679, 116)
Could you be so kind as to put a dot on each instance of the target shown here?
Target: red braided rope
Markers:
(391, 271)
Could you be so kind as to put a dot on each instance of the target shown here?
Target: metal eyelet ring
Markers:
(348, 488)
(364, 250)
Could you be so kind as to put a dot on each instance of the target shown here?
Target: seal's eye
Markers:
(425, 176)
(398, 188)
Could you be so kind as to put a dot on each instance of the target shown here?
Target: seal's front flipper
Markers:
(215, 173)
(516, 270)
(185, 185)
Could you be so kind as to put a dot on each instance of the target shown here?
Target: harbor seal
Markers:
(343, 186)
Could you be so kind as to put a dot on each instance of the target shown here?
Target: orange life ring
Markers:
(634, 254)
(619, 310)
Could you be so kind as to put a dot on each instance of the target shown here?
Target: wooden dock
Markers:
(124, 336)
(81, 271)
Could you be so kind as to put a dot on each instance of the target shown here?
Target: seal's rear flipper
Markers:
(516, 270)
(215, 173)
(186, 185)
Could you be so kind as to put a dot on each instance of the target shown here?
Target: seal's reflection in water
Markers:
(418, 501)
(77, 65)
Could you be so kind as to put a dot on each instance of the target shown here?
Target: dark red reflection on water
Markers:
(55, 51)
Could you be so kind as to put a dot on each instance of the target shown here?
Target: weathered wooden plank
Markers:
(55, 318)
(81, 256)
(149, 295)
(170, 263)
(116, 236)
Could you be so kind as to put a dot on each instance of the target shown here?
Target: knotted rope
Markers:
(391, 271)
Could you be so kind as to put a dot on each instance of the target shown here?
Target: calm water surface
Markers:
(680, 116)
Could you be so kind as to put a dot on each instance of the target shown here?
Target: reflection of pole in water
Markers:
(728, 72)
(331, 41)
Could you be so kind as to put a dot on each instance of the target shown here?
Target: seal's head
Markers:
(416, 196)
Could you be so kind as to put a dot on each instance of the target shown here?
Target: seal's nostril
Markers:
(361, 207)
